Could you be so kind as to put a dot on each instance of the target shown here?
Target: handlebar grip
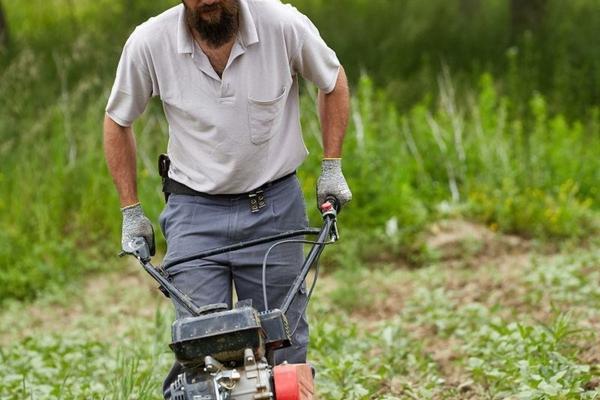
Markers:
(334, 202)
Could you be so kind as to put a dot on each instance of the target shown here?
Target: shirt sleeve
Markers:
(132, 88)
(313, 59)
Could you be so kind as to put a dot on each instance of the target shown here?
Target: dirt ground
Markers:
(478, 266)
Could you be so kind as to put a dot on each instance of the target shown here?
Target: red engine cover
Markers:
(293, 382)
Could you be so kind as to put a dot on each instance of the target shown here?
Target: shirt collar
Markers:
(247, 30)
(184, 38)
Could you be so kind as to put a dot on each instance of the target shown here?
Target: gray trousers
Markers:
(191, 224)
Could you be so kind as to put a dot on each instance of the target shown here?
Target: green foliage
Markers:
(519, 357)
(535, 177)
(532, 212)
(529, 361)
(73, 365)
(570, 279)
(403, 45)
(358, 366)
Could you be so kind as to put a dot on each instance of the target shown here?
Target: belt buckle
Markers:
(258, 201)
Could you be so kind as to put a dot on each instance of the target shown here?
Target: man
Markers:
(227, 74)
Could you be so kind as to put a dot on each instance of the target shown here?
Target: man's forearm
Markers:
(334, 111)
(119, 150)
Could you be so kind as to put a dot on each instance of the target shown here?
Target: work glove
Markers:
(136, 224)
(332, 182)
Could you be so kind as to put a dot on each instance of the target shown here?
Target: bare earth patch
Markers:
(471, 244)
(107, 299)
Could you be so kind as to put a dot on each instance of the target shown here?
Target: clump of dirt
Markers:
(460, 242)
(593, 384)
(590, 350)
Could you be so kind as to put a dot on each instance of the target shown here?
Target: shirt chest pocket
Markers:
(264, 116)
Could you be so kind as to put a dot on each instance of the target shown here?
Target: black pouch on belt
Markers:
(163, 170)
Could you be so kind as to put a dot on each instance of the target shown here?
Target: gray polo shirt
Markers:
(235, 133)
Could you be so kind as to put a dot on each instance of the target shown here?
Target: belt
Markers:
(171, 186)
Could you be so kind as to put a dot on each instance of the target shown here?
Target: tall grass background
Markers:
(452, 116)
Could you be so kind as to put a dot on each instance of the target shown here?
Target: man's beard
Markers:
(215, 31)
